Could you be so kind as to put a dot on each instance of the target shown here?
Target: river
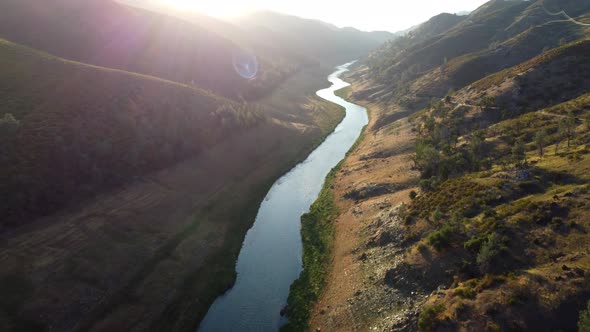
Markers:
(270, 258)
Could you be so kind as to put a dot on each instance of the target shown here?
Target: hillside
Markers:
(490, 39)
(110, 34)
(109, 178)
(464, 206)
(81, 129)
(468, 68)
(182, 47)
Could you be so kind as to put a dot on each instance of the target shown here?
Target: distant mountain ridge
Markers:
(321, 41)
(192, 49)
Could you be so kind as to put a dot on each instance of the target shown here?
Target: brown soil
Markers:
(352, 297)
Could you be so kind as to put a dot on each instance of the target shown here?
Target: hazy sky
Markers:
(391, 15)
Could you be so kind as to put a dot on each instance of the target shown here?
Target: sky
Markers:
(368, 15)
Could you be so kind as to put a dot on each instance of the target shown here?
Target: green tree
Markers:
(519, 152)
(488, 251)
(430, 124)
(540, 141)
(426, 158)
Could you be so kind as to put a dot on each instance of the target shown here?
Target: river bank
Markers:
(356, 296)
(270, 258)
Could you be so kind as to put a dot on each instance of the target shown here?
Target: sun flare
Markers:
(213, 8)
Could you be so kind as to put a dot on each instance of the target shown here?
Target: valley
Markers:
(127, 189)
(164, 170)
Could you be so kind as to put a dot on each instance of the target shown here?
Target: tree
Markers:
(488, 252)
(540, 140)
(569, 127)
(426, 158)
(519, 152)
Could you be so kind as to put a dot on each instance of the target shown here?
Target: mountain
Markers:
(463, 206)
(109, 34)
(324, 43)
(137, 144)
(496, 39)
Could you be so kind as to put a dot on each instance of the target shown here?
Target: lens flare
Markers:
(245, 64)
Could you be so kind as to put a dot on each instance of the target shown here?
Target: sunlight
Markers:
(213, 8)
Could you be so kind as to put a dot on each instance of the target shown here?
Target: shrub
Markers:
(489, 250)
(425, 185)
(413, 194)
(427, 319)
(437, 216)
(441, 238)
(474, 243)
(464, 292)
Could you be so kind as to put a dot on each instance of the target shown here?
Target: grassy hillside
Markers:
(490, 39)
(475, 32)
(71, 130)
(471, 67)
(509, 224)
(488, 229)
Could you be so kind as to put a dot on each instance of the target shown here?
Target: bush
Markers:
(441, 238)
(427, 319)
(474, 243)
(464, 292)
(413, 194)
(438, 215)
(489, 250)
(425, 185)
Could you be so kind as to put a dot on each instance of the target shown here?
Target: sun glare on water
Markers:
(213, 8)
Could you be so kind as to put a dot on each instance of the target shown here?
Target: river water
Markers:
(270, 258)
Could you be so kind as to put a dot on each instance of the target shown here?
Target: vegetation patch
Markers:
(427, 320)
(317, 232)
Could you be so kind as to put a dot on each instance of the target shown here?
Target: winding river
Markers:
(270, 258)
